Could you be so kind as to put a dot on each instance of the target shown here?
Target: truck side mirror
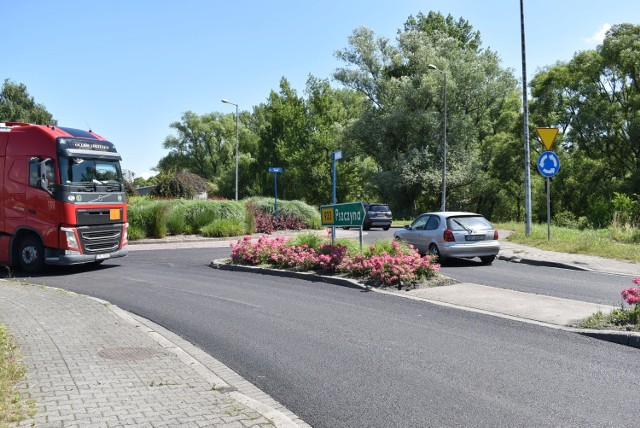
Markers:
(46, 172)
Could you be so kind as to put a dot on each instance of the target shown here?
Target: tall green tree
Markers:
(594, 100)
(205, 145)
(299, 134)
(402, 128)
(16, 105)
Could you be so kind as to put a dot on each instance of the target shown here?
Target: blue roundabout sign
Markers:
(548, 164)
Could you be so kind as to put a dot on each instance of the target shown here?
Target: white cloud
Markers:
(598, 36)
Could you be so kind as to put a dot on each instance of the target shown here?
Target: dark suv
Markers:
(377, 215)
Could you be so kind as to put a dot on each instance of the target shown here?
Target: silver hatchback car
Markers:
(452, 234)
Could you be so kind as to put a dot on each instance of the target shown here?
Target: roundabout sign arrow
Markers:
(548, 164)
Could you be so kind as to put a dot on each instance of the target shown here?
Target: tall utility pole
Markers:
(525, 105)
(226, 101)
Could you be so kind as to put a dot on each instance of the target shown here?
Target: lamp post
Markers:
(226, 101)
(443, 204)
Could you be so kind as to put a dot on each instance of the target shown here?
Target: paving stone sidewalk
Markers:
(90, 364)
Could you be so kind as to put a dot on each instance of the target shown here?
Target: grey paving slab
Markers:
(91, 364)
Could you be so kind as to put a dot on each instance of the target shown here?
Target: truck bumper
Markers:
(57, 257)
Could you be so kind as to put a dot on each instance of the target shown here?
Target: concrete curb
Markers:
(625, 338)
(547, 263)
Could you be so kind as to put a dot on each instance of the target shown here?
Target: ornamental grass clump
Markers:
(394, 265)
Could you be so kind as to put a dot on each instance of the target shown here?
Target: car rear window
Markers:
(379, 208)
(470, 222)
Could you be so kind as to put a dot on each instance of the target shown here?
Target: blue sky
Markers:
(127, 69)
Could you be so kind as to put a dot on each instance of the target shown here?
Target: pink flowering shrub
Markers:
(632, 295)
(392, 266)
(245, 252)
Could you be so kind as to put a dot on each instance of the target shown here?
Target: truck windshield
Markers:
(89, 171)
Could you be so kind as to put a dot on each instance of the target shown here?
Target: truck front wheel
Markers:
(30, 254)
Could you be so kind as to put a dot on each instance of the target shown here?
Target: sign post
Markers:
(337, 155)
(275, 171)
(350, 214)
(548, 165)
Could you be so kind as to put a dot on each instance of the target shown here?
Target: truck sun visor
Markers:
(87, 148)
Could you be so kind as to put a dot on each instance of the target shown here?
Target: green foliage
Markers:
(16, 105)
(594, 100)
(569, 220)
(626, 210)
(170, 186)
(597, 242)
(223, 228)
(402, 128)
(352, 245)
(309, 214)
(13, 407)
(310, 239)
(618, 319)
(181, 184)
(157, 218)
(136, 232)
(199, 213)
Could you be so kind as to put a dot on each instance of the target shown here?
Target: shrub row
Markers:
(383, 264)
(157, 218)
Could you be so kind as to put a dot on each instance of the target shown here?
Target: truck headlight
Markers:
(70, 236)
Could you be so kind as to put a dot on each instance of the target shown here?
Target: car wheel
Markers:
(366, 227)
(434, 251)
(30, 254)
(385, 228)
(487, 260)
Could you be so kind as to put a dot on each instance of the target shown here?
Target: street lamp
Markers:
(444, 143)
(226, 101)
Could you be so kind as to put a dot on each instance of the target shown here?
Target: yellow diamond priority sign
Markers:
(548, 136)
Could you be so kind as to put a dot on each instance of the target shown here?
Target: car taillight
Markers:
(495, 234)
(448, 236)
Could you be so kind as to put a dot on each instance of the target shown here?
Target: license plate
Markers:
(474, 237)
(102, 256)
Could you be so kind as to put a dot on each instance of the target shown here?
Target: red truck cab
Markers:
(63, 197)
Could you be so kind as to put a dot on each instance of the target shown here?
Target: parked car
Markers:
(376, 215)
(452, 234)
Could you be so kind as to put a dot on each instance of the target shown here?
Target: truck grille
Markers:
(100, 239)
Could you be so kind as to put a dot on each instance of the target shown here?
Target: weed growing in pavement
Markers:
(383, 264)
(624, 318)
(13, 408)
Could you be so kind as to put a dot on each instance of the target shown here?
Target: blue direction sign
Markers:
(274, 169)
(548, 164)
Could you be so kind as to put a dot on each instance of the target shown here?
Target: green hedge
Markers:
(157, 218)
(310, 214)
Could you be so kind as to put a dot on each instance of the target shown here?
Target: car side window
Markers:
(433, 223)
(420, 222)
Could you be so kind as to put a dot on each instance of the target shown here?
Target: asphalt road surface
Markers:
(343, 357)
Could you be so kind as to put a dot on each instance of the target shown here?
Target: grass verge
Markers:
(619, 319)
(13, 407)
(605, 243)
